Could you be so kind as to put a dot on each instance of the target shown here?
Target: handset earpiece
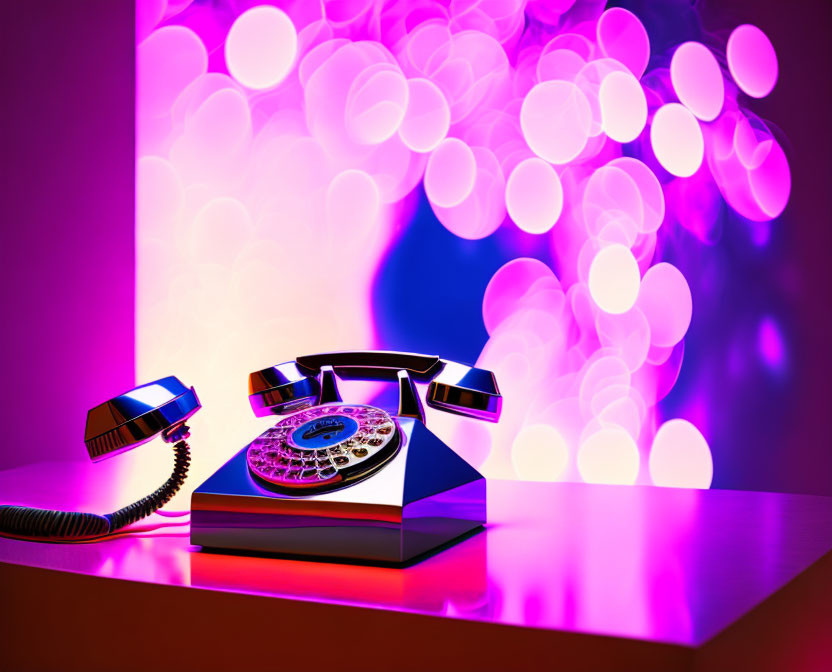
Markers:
(282, 389)
(465, 390)
(118, 425)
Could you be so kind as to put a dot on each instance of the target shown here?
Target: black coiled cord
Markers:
(50, 525)
(147, 505)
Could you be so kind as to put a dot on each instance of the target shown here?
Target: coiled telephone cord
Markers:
(51, 525)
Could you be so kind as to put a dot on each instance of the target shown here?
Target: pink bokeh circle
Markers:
(261, 47)
(556, 119)
(427, 119)
(666, 302)
(482, 211)
(534, 196)
(166, 62)
(752, 60)
(450, 173)
(623, 106)
(614, 279)
(508, 286)
(650, 189)
(677, 141)
(697, 80)
(376, 104)
(610, 192)
(622, 36)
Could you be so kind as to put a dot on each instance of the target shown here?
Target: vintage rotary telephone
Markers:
(118, 425)
(349, 480)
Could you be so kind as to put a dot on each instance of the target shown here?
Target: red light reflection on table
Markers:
(660, 564)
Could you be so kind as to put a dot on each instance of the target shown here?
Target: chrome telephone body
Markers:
(338, 480)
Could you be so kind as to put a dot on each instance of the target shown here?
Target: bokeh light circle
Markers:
(589, 81)
(427, 118)
(600, 373)
(609, 456)
(748, 134)
(622, 36)
(611, 194)
(376, 104)
(628, 333)
(652, 196)
(622, 413)
(261, 47)
(580, 44)
(677, 141)
(770, 182)
(614, 279)
(534, 196)
(556, 119)
(539, 453)
(166, 62)
(509, 285)
(559, 64)
(680, 457)
(481, 109)
(697, 80)
(352, 202)
(752, 60)
(623, 106)
(481, 212)
(450, 173)
(666, 302)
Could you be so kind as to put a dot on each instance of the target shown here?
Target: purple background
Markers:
(68, 257)
(789, 448)
(66, 238)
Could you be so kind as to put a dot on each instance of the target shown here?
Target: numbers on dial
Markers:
(321, 445)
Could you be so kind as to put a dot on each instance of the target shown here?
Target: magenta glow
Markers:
(266, 130)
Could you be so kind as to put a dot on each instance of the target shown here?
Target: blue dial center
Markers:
(324, 432)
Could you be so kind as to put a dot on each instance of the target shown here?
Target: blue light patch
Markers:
(324, 432)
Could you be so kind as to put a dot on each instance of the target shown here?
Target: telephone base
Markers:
(425, 497)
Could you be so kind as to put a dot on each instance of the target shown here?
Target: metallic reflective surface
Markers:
(282, 389)
(298, 497)
(455, 388)
(424, 497)
(134, 417)
(374, 364)
(329, 386)
(410, 406)
(465, 390)
(655, 564)
(323, 448)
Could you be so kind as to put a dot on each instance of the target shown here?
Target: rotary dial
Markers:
(324, 447)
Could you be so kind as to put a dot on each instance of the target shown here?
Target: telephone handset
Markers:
(324, 444)
(118, 425)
